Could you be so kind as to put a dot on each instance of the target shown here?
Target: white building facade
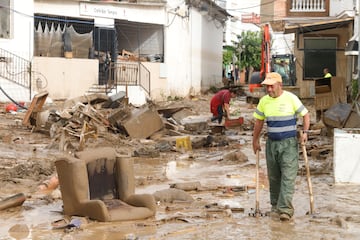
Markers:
(189, 40)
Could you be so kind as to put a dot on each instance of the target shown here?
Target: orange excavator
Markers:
(255, 88)
(270, 63)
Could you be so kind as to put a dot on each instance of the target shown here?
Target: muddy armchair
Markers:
(100, 185)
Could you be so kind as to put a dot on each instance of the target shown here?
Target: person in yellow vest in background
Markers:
(327, 74)
(279, 109)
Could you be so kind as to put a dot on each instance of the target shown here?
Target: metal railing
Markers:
(130, 74)
(15, 69)
(18, 70)
(144, 78)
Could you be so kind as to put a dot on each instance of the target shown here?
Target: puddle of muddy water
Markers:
(37, 216)
(208, 173)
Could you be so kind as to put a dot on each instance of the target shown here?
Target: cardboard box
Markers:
(142, 123)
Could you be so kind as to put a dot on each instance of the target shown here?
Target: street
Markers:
(222, 201)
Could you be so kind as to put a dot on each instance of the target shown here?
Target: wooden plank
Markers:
(322, 89)
(324, 101)
(35, 107)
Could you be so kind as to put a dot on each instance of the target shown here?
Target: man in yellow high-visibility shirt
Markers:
(280, 108)
(327, 74)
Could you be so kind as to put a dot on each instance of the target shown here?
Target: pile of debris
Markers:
(88, 117)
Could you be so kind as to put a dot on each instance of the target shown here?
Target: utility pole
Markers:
(241, 50)
(234, 60)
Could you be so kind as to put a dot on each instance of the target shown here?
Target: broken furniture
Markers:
(33, 114)
(100, 185)
(336, 115)
(323, 85)
(353, 118)
(84, 124)
(142, 123)
(329, 92)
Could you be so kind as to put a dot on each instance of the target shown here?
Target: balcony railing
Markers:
(308, 8)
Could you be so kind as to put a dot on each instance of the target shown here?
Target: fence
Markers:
(15, 69)
(130, 74)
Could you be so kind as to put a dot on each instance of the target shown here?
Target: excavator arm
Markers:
(255, 88)
(265, 52)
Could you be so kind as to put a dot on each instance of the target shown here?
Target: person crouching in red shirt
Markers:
(219, 104)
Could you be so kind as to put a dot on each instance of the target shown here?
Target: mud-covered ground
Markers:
(222, 206)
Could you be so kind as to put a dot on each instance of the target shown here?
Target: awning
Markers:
(292, 26)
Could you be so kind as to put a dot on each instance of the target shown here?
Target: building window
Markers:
(5, 15)
(319, 53)
(142, 39)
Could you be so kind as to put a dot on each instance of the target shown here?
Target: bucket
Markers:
(183, 144)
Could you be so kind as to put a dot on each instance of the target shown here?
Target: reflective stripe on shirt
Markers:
(281, 127)
(280, 114)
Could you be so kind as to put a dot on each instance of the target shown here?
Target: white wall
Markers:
(177, 61)
(193, 54)
(13, 92)
(196, 49)
(339, 6)
(92, 10)
(22, 22)
(65, 78)
(210, 53)
(56, 7)
(157, 82)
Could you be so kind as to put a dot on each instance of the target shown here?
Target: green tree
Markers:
(249, 49)
(228, 52)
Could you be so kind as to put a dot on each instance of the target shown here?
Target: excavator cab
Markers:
(284, 64)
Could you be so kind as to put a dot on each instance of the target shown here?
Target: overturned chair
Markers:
(100, 185)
